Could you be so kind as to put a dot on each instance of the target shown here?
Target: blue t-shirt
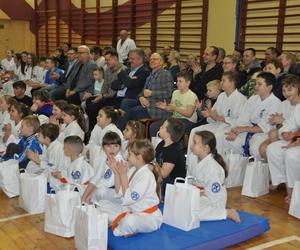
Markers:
(48, 78)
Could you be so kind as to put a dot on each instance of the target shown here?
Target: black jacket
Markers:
(134, 84)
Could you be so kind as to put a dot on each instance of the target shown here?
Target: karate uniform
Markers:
(124, 49)
(255, 112)
(69, 130)
(15, 136)
(95, 142)
(210, 175)
(140, 196)
(104, 178)
(230, 108)
(284, 164)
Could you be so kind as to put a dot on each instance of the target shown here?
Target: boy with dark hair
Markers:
(169, 152)
(79, 171)
(19, 91)
(252, 126)
(42, 105)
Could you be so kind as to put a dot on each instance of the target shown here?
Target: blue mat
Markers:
(210, 235)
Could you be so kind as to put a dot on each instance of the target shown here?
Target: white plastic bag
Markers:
(256, 181)
(9, 177)
(90, 228)
(236, 164)
(33, 190)
(182, 205)
(59, 212)
(295, 201)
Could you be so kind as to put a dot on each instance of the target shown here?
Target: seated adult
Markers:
(231, 63)
(289, 63)
(84, 79)
(210, 70)
(174, 60)
(68, 76)
(250, 63)
(158, 87)
(107, 96)
(130, 82)
(275, 67)
(271, 54)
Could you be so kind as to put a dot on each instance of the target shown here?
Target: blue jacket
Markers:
(31, 143)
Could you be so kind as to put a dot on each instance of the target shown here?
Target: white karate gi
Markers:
(230, 108)
(95, 142)
(210, 175)
(140, 196)
(104, 178)
(255, 111)
(284, 164)
(8, 65)
(71, 129)
(124, 49)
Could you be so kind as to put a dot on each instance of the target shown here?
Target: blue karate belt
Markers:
(246, 147)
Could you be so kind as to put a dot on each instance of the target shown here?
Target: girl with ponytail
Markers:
(74, 122)
(210, 173)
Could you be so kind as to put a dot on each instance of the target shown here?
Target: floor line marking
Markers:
(14, 217)
(274, 243)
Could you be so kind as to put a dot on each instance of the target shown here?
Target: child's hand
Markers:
(53, 120)
(34, 107)
(171, 107)
(208, 104)
(144, 102)
(237, 130)
(292, 144)
(112, 163)
(86, 95)
(213, 114)
(161, 105)
(288, 136)
(34, 156)
(122, 168)
(230, 136)
(56, 174)
(147, 92)
(198, 104)
(97, 99)
(205, 113)
(276, 118)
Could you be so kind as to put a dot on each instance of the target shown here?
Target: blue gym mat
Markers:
(210, 235)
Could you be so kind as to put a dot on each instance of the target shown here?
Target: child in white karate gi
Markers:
(252, 126)
(79, 172)
(223, 115)
(106, 121)
(284, 155)
(75, 123)
(138, 189)
(102, 184)
(210, 173)
(291, 91)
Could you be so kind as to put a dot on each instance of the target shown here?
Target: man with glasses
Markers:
(83, 80)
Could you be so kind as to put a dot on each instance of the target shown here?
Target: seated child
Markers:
(223, 115)
(5, 103)
(284, 155)
(42, 104)
(213, 91)
(74, 122)
(57, 111)
(252, 126)
(291, 91)
(79, 172)
(102, 184)
(106, 121)
(19, 91)
(53, 156)
(169, 153)
(11, 131)
(134, 130)
(182, 104)
(210, 173)
(139, 191)
(29, 141)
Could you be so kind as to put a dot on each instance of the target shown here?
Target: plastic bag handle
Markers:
(189, 178)
(179, 178)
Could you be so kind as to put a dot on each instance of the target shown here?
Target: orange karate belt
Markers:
(117, 220)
